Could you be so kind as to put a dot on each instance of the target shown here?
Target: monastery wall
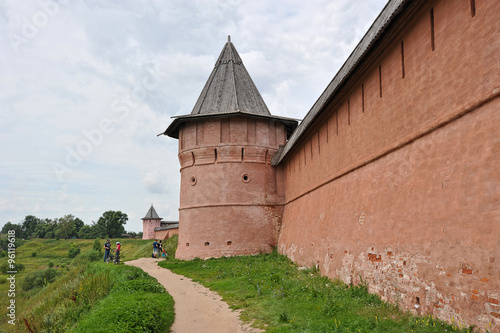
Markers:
(166, 234)
(231, 198)
(397, 181)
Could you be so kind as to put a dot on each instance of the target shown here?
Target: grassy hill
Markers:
(63, 290)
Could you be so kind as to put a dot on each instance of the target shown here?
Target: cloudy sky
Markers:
(85, 87)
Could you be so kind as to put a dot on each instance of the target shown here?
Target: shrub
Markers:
(4, 268)
(33, 254)
(74, 250)
(3, 254)
(148, 285)
(51, 264)
(130, 312)
(97, 245)
(39, 278)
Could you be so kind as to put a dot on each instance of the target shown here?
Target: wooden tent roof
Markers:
(151, 214)
(230, 88)
(229, 91)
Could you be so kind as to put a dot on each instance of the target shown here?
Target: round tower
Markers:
(149, 223)
(231, 196)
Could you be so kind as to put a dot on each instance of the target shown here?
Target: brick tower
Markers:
(231, 197)
(149, 223)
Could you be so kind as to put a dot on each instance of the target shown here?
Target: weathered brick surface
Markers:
(402, 190)
(231, 198)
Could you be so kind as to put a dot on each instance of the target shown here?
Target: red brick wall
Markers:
(398, 182)
(166, 234)
(148, 228)
(230, 200)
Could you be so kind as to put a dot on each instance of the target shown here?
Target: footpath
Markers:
(197, 308)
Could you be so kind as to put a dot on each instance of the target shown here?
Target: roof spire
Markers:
(229, 38)
(151, 214)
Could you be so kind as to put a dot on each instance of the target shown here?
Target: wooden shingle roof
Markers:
(151, 214)
(229, 91)
(230, 88)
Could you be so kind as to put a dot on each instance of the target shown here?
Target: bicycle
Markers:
(110, 258)
(116, 260)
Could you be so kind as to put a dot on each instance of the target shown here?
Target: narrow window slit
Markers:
(319, 144)
(380, 80)
(215, 154)
(433, 45)
(337, 121)
(348, 112)
(242, 154)
(402, 61)
(473, 8)
(311, 146)
(362, 98)
(327, 122)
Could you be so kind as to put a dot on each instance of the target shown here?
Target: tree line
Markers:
(110, 225)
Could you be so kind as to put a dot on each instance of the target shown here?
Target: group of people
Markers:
(158, 250)
(107, 249)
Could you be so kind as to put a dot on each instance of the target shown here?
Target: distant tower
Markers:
(231, 197)
(149, 223)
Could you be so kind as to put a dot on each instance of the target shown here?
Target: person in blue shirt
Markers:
(155, 249)
(107, 247)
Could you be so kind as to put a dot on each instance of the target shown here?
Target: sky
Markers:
(86, 86)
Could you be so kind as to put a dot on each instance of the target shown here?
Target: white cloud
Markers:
(136, 64)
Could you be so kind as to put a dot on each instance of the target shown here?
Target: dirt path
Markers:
(197, 309)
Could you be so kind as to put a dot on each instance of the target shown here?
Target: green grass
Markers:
(80, 285)
(276, 296)
(129, 312)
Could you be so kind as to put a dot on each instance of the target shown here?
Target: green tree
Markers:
(42, 228)
(29, 225)
(11, 226)
(50, 228)
(87, 232)
(110, 224)
(68, 226)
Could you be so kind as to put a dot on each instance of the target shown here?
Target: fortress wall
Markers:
(397, 182)
(166, 234)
